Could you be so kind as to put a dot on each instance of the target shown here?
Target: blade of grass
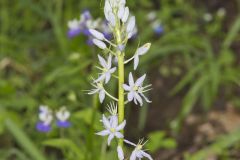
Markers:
(222, 143)
(23, 140)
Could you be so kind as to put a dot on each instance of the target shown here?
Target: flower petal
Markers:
(139, 154)
(146, 155)
(112, 70)
(139, 99)
(106, 122)
(113, 119)
(112, 20)
(131, 24)
(133, 155)
(136, 61)
(107, 77)
(121, 126)
(128, 142)
(103, 133)
(102, 76)
(130, 96)
(114, 123)
(126, 87)
(130, 79)
(107, 9)
(125, 16)
(118, 135)
(101, 95)
(120, 153)
(143, 49)
(121, 12)
(102, 61)
(140, 80)
(99, 43)
(110, 137)
(97, 34)
(41, 127)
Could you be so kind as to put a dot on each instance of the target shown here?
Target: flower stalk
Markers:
(123, 27)
(120, 88)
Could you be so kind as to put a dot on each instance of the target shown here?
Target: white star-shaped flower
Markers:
(112, 129)
(107, 69)
(98, 89)
(138, 152)
(140, 51)
(136, 90)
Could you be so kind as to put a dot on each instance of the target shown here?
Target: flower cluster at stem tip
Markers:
(86, 22)
(46, 118)
(122, 26)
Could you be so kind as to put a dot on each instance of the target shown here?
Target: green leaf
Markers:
(157, 140)
(221, 144)
(23, 140)
(188, 102)
(232, 34)
(63, 143)
(188, 77)
(85, 115)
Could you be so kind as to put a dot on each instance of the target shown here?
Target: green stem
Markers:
(120, 80)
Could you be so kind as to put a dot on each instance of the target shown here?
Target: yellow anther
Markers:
(112, 130)
(139, 147)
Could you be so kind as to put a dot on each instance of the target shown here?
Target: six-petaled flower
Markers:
(112, 128)
(138, 152)
(98, 89)
(106, 69)
(136, 90)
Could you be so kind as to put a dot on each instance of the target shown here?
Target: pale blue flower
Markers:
(74, 28)
(138, 153)
(98, 89)
(136, 90)
(140, 51)
(157, 28)
(106, 69)
(112, 129)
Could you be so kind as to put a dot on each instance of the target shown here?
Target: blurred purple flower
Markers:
(74, 28)
(45, 117)
(63, 124)
(158, 30)
(42, 127)
(63, 115)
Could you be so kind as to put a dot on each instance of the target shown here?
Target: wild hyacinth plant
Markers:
(122, 27)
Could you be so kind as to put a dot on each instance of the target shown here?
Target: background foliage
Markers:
(199, 50)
